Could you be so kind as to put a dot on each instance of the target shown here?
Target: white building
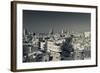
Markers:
(43, 45)
(87, 34)
(51, 46)
(54, 50)
(35, 42)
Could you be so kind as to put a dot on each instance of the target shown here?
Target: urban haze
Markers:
(41, 21)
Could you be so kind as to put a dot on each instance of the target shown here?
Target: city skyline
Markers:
(43, 21)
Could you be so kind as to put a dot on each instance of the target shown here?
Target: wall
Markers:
(5, 37)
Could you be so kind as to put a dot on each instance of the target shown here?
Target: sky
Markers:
(43, 21)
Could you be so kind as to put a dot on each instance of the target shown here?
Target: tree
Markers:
(67, 48)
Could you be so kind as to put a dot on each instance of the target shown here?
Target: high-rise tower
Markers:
(51, 30)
